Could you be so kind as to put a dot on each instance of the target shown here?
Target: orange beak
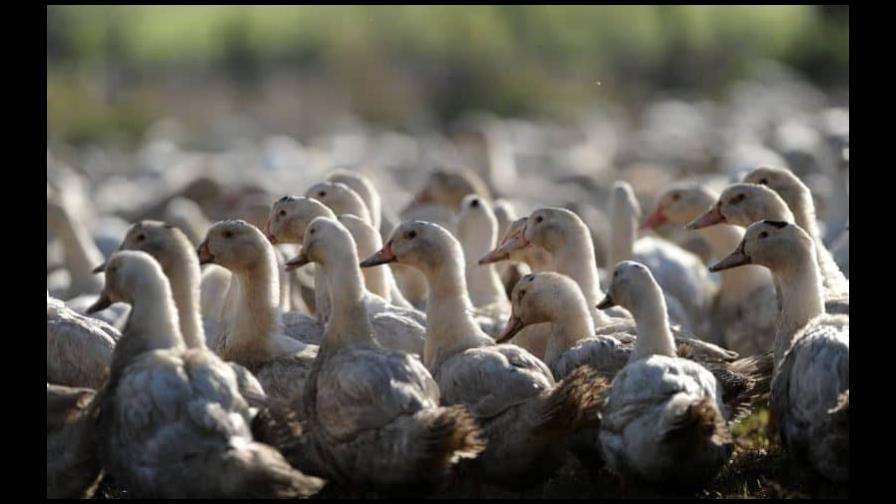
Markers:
(385, 255)
(205, 255)
(712, 217)
(654, 220)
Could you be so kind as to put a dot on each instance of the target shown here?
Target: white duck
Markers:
(346, 194)
(290, 217)
(556, 299)
(333, 250)
(799, 199)
(681, 274)
(664, 420)
(365, 189)
(171, 248)
(79, 348)
(745, 306)
(810, 391)
(171, 421)
(252, 334)
(477, 230)
(522, 411)
(374, 413)
(80, 255)
(744, 204)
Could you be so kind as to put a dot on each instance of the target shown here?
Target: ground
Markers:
(758, 469)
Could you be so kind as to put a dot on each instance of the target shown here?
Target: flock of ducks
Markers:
(324, 339)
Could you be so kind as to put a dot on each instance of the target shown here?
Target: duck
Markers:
(799, 200)
(365, 188)
(373, 413)
(743, 204)
(174, 252)
(252, 334)
(80, 254)
(681, 274)
(79, 348)
(290, 216)
(476, 230)
(171, 422)
(331, 252)
(73, 467)
(745, 306)
(555, 299)
(523, 413)
(840, 251)
(347, 193)
(663, 421)
(810, 389)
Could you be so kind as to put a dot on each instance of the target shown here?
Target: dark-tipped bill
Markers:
(101, 304)
(385, 255)
(711, 217)
(99, 269)
(514, 325)
(297, 262)
(606, 303)
(737, 258)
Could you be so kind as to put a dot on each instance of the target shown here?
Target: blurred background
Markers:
(113, 71)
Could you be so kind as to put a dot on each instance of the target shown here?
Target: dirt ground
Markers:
(759, 469)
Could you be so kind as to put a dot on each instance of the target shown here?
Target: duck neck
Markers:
(259, 291)
(623, 233)
(81, 256)
(153, 322)
(801, 300)
(572, 323)
(803, 209)
(184, 274)
(575, 259)
(736, 283)
(483, 280)
(450, 327)
(348, 324)
(654, 336)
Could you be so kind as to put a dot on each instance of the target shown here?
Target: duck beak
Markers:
(205, 255)
(101, 304)
(606, 303)
(711, 217)
(99, 269)
(514, 325)
(494, 256)
(298, 261)
(737, 258)
(654, 220)
(517, 242)
(385, 255)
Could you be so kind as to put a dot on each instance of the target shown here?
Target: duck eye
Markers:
(522, 292)
(322, 194)
(312, 230)
(615, 273)
(228, 234)
(539, 219)
(141, 237)
(763, 181)
(763, 235)
(737, 199)
(282, 213)
(411, 235)
(474, 203)
(676, 197)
